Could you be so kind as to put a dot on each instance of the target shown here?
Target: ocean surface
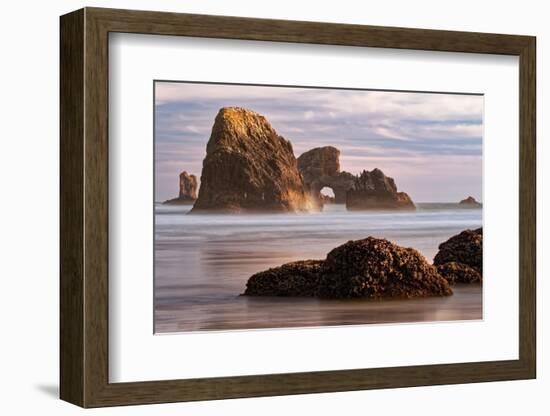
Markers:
(202, 263)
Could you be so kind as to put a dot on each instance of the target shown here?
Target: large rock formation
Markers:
(188, 190)
(249, 168)
(470, 202)
(369, 268)
(300, 278)
(320, 167)
(461, 257)
(374, 190)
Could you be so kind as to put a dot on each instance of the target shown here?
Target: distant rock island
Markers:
(374, 190)
(320, 167)
(249, 168)
(371, 268)
(470, 202)
(188, 190)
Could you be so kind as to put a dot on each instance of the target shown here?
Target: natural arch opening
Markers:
(327, 195)
(326, 191)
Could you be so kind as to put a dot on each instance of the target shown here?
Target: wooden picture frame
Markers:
(84, 207)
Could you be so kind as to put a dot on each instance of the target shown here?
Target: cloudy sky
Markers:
(431, 144)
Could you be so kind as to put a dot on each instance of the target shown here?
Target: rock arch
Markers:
(320, 167)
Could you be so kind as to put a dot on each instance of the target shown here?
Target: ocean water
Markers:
(202, 263)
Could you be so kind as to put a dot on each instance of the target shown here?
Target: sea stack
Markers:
(470, 202)
(320, 167)
(375, 191)
(249, 168)
(187, 190)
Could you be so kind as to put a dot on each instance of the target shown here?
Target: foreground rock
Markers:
(369, 268)
(465, 248)
(299, 278)
(459, 273)
(377, 268)
(470, 202)
(187, 190)
(373, 190)
(249, 168)
(320, 167)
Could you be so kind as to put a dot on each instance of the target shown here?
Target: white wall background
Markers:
(29, 209)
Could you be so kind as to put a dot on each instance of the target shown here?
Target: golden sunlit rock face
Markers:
(249, 168)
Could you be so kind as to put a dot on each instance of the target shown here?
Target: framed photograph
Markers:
(256, 207)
